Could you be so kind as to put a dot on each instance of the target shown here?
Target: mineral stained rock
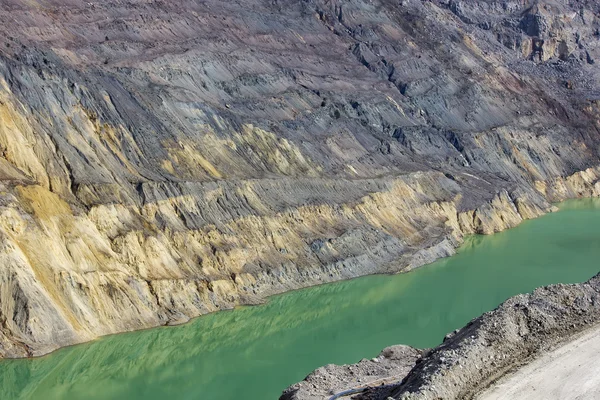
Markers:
(164, 159)
(471, 358)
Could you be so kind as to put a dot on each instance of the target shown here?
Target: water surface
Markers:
(255, 352)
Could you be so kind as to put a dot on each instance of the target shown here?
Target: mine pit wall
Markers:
(148, 179)
(73, 275)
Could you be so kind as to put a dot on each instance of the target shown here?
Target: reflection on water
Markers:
(255, 352)
(581, 204)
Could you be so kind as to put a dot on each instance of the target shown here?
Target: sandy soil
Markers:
(569, 372)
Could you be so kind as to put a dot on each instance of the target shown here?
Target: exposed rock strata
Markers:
(161, 160)
(473, 357)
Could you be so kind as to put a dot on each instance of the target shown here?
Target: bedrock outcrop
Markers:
(160, 160)
(471, 358)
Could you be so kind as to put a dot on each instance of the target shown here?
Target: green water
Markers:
(255, 352)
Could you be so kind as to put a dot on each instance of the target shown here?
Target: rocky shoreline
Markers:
(470, 359)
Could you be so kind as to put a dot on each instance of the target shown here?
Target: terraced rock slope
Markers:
(164, 159)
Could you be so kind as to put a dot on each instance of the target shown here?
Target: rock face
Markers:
(164, 159)
(473, 357)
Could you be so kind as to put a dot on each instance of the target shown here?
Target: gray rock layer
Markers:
(160, 160)
(472, 358)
